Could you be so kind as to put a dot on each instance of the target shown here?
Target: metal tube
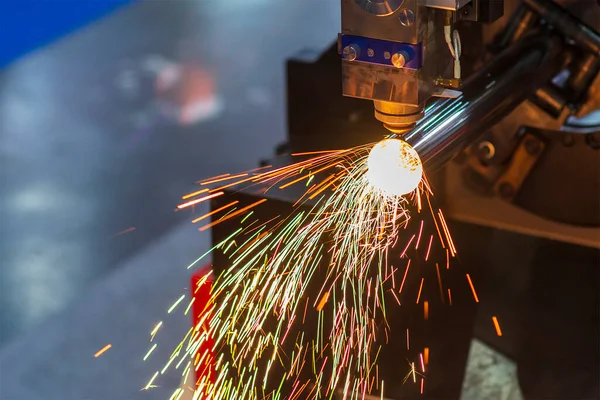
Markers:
(517, 26)
(488, 96)
(565, 22)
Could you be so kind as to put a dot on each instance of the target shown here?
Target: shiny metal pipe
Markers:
(493, 92)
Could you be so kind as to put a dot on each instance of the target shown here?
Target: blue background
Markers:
(28, 24)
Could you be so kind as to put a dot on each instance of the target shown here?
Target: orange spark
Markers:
(426, 355)
(407, 246)
(226, 178)
(420, 288)
(419, 238)
(404, 279)
(308, 153)
(215, 177)
(449, 296)
(323, 301)
(215, 211)
(429, 248)
(497, 326)
(473, 289)
(436, 224)
(187, 196)
(191, 203)
(238, 212)
(102, 350)
(124, 231)
(447, 232)
(308, 175)
(437, 268)
(426, 310)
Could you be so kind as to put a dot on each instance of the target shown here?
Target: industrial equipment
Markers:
(508, 89)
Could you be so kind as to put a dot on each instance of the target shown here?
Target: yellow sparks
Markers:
(102, 350)
(187, 196)
(150, 383)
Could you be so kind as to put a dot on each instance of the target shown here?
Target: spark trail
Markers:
(330, 258)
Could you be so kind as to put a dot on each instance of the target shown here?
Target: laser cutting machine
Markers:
(510, 91)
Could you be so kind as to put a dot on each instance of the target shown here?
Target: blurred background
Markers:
(109, 112)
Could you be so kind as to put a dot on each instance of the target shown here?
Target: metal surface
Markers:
(397, 118)
(393, 67)
(466, 205)
(523, 160)
(373, 51)
(552, 110)
(379, 7)
(357, 22)
(451, 5)
(561, 19)
(493, 92)
(486, 11)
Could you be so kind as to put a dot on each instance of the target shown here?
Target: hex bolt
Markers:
(399, 59)
(406, 17)
(533, 147)
(351, 52)
(593, 140)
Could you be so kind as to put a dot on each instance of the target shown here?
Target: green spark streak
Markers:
(214, 247)
(176, 304)
(149, 352)
(246, 217)
(348, 230)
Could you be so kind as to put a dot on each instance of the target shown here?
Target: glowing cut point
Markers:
(394, 167)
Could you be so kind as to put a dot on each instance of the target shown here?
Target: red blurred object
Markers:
(204, 359)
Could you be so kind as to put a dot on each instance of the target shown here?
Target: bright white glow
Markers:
(394, 167)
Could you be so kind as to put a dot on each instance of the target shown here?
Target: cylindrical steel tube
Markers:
(565, 22)
(517, 26)
(489, 95)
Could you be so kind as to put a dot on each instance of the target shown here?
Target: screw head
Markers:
(370, 52)
(533, 147)
(568, 140)
(350, 52)
(387, 55)
(407, 17)
(398, 60)
(593, 140)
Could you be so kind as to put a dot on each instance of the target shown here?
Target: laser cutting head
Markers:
(399, 53)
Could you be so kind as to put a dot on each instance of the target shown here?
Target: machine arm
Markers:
(489, 95)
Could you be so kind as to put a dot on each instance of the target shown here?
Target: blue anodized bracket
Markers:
(376, 51)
